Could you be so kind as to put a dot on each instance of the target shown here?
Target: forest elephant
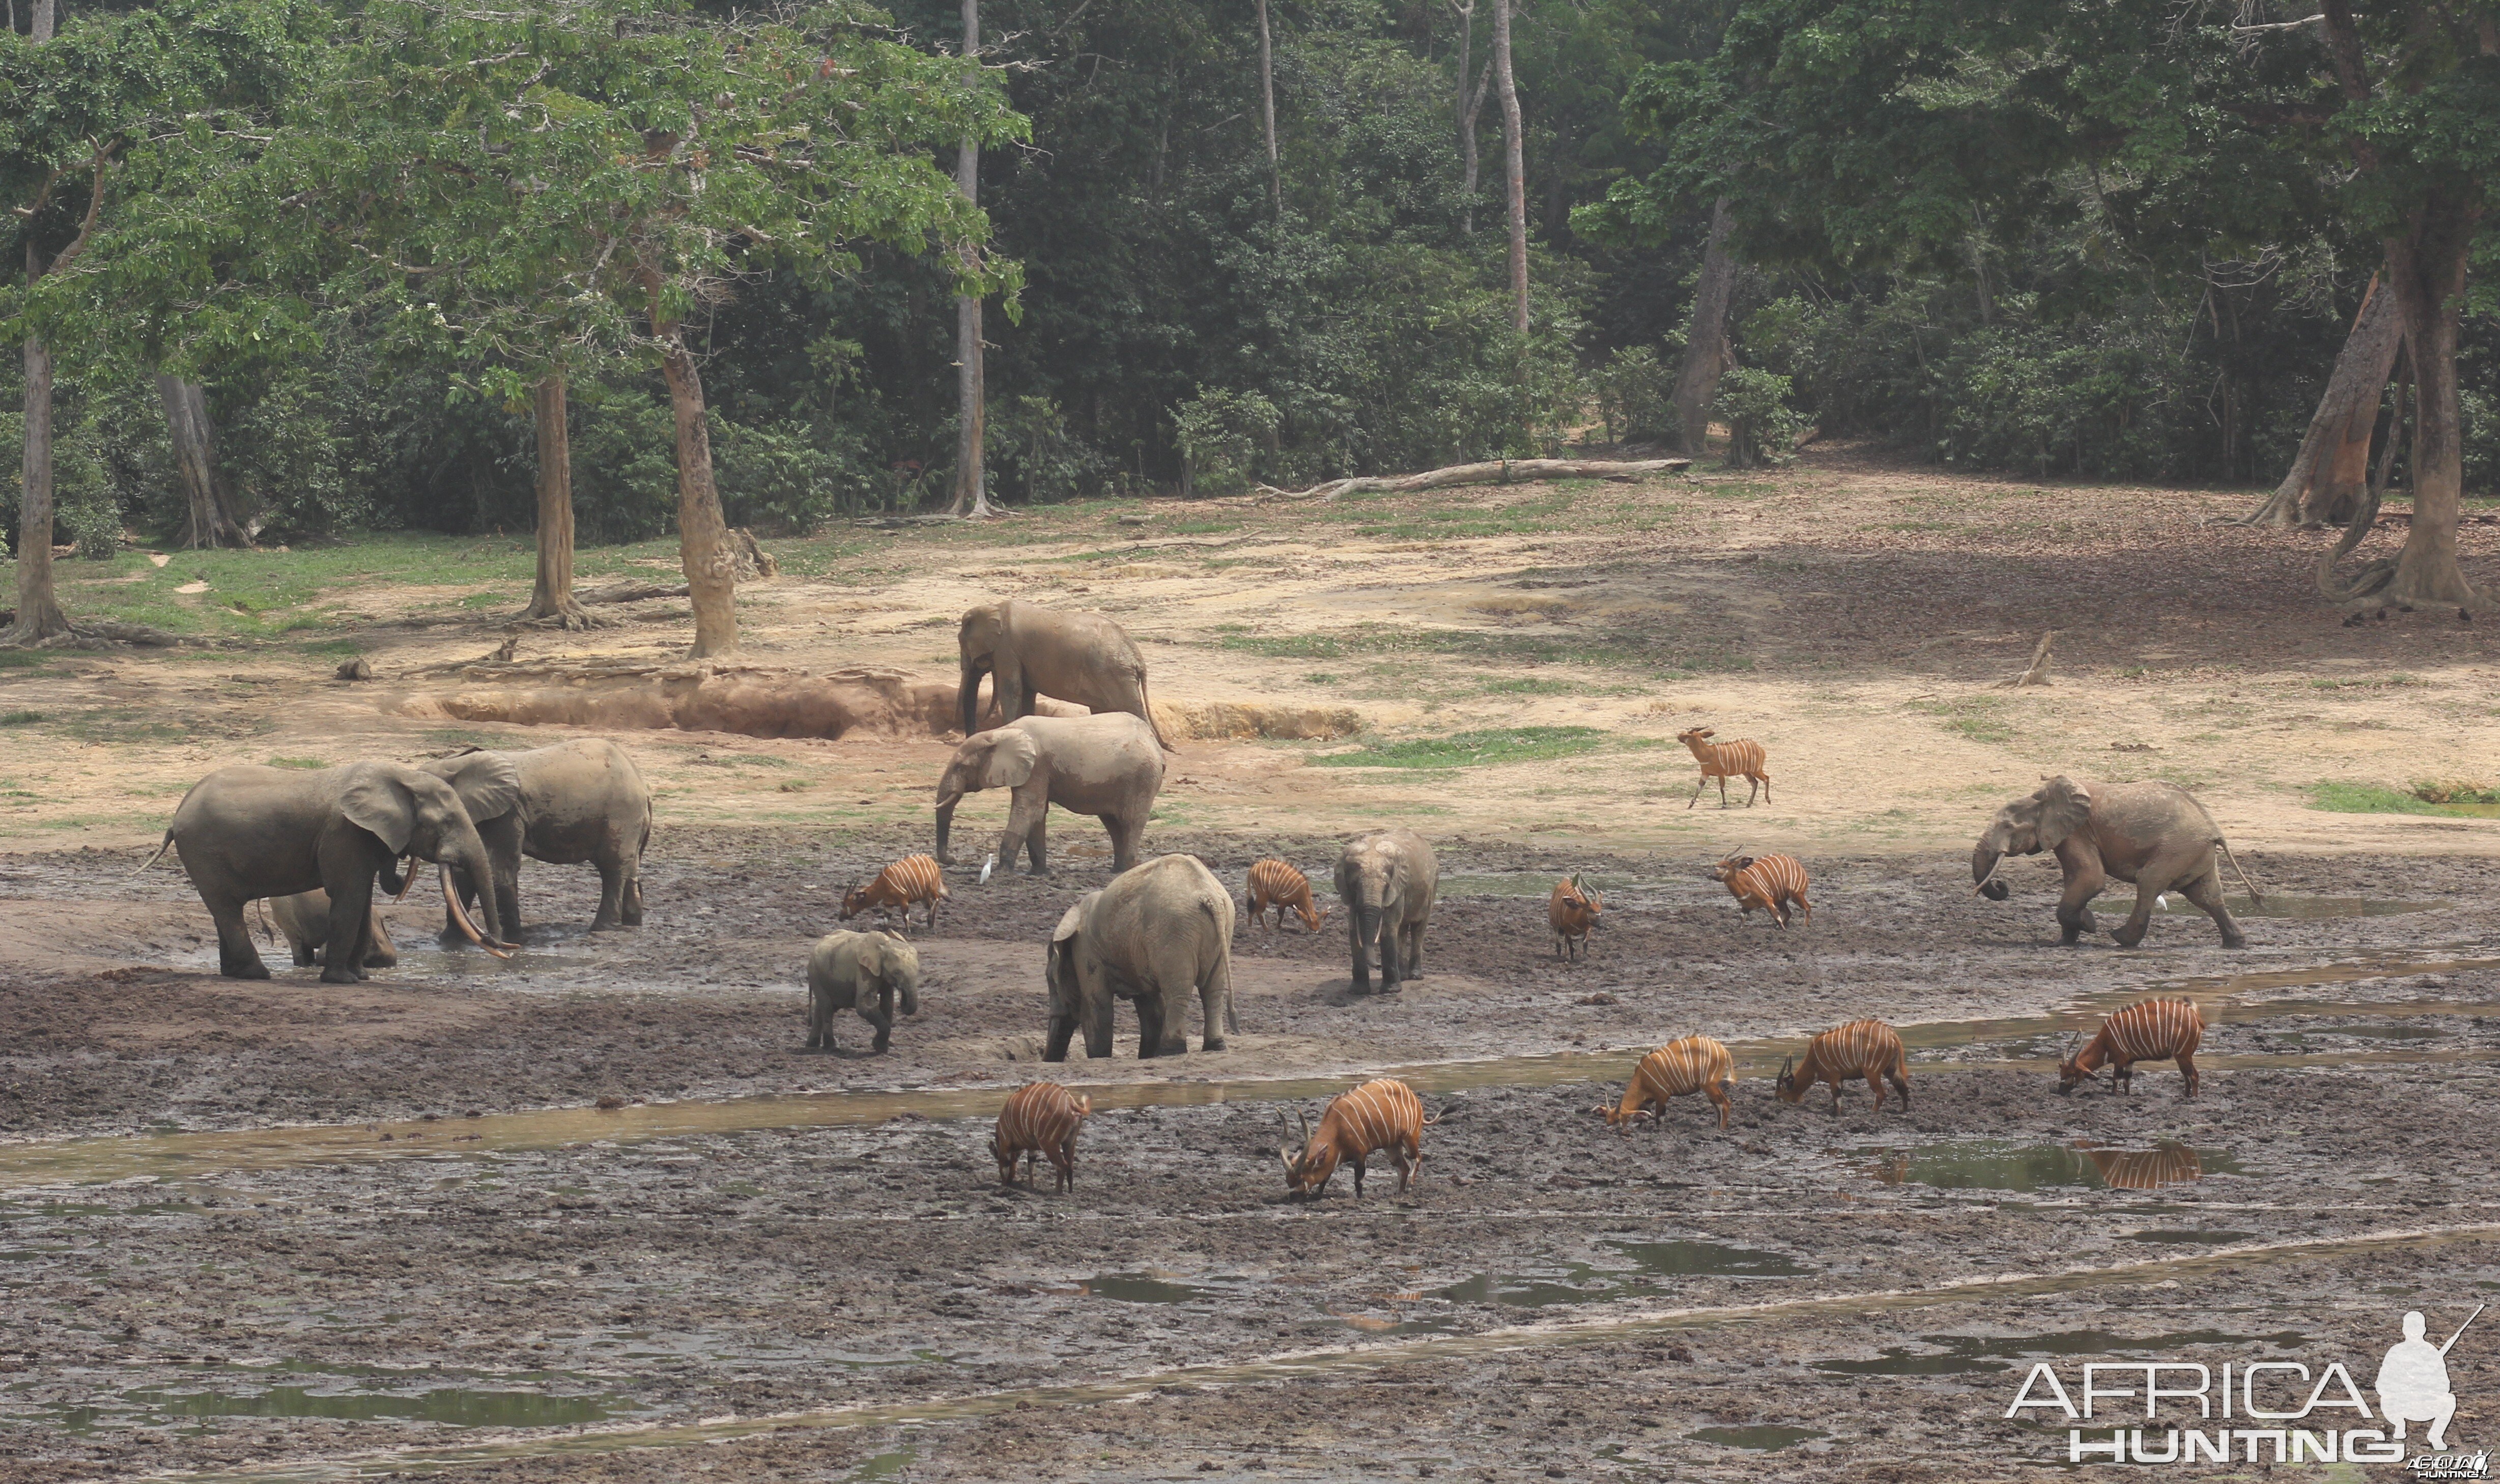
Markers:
(575, 802)
(303, 920)
(1029, 652)
(1387, 880)
(1155, 936)
(247, 832)
(875, 973)
(1107, 765)
(2153, 835)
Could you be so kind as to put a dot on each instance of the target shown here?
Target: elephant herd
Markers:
(315, 843)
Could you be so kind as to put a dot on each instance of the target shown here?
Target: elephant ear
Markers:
(1013, 755)
(377, 801)
(489, 787)
(1073, 919)
(2064, 807)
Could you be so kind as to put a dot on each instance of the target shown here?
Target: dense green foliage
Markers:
(2031, 238)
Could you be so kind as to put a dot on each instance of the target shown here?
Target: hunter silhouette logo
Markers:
(2261, 1410)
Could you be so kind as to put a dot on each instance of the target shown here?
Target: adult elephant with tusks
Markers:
(575, 803)
(1155, 936)
(2153, 835)
(1387, 880)
(248, 832)
(1105, 766)
(1029, 652)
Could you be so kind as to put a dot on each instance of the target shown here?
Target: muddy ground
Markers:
(595, 1215)
(199, 1298)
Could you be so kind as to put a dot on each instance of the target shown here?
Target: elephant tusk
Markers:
(407, 878)
(451, 899)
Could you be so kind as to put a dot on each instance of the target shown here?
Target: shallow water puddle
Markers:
(1997, 1165)
(350, 1394)
(1369, 1358)
(1757, 1439)
(2224, 1001)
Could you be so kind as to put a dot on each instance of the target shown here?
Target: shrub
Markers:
(1762, 426)
(1637, 396)
(1220, 434)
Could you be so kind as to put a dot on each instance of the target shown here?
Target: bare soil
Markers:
(288, 1229)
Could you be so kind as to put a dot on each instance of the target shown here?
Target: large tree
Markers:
(546, 187)
(1852, 137)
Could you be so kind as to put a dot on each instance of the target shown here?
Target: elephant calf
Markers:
(1155, 935)
(2155, 835)
(874, 974)
(305, 921)
(1387, 880)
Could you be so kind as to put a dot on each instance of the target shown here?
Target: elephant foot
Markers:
(2235, 941)
(881, 1044)
(336, 977)
(1212, 1043)
(254, 970)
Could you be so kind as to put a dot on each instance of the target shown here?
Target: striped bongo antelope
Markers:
(1383, 1114)
(1771, 882)
(1572, 913)
(912, 878)
(2147, 1031)
(1723, 761)
(1040, 1118)
(1696, 1063)
(1862, 1049)
(1275, 883)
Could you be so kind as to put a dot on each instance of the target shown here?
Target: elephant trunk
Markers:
(947, 802)
(968, 697)
(469, 857)
(1983, 861)
(1366, 926)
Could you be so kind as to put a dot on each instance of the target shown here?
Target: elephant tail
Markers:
(1143, 699)
(2224, 846)
(2236, 870)
(162, 845)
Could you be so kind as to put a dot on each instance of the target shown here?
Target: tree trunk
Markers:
(1268, 113)
(703, 545)
(1705, 347)
(971, 397)
(1515, 185)
(551, 597)
(2326, 477)
(39, 614)
(209, 522)
(1473, 109)
(2426, 268)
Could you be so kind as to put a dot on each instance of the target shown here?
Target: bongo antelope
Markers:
(912, 878)
(1275, 883)
(2147, 1031)
(1771, 882)
(1742, 759)
(1382, 1115)
(1040, 1118)
(1867, 1049)
(1573, 915)
(1696, 1063)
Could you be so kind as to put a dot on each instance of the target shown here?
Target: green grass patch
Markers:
(21, 659)
(2395, 680)
(2370, 799)
(20, 718)
(1487, 749)
(310, 764)
(487, 599)
(1202, 527)
(1621, 648)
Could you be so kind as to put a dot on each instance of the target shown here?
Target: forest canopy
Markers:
(296, 270)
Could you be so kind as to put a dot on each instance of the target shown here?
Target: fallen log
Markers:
(1494, 472)
(631, 592)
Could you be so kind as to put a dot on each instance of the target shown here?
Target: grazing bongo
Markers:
(2147, 1031)
(1771, 882)
(1723, 761)
(912, 878)
(1572, 913)
(1040, 1118)
(1867, 1051)
(1275, 883)
(1383, 1114)
(1696, 1063)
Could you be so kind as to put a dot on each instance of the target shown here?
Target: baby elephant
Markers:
(872, 972)
(305, 921)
